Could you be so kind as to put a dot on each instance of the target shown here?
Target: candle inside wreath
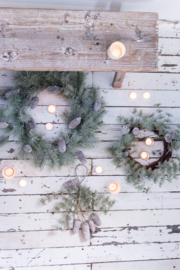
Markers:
(144, 155)
(149, 141)
(52, 109)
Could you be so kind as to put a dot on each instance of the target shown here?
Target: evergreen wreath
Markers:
(78, 205)
(165, 167)
(83, 118)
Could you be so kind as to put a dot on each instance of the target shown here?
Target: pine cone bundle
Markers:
(92, 226)
(81, 157)
(3, 125)
(54, 89)
(135, 131)
(62, 146)
(70, 221)
(97, 105)
(27, 148)
(12, 92)
(32, 123)
(168, 138)
(125, 129)
(96, 220)
(34, 102)
(86, 231)
(71, 183)
(76, 225)
(75, 122)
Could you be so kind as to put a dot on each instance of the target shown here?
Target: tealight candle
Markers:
(149, 141)
(116, 50)
(52, 108)
(133, 95)
(49, 126)
(8, 172)
(144, 155)
(98, 169)
(22, 183)
(146, 95)
(113, 187)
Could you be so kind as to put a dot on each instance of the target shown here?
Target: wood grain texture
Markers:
(76, 40)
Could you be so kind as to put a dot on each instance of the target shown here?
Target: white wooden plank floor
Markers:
(142, 231)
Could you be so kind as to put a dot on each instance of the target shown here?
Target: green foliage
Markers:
(137, 174)
(81, 100)
(80, 201)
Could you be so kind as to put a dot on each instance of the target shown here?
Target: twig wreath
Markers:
(83, 118)
(165, 167)
(79, 205)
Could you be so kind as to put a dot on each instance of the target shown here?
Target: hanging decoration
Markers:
(165, 167)
(79, 205)
(83, 118)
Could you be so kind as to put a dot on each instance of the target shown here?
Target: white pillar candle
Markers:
(144, 155)
(8, 172)
(133, 95)
(113, 187)
(52, 108)
(116, 50)
(49, 126)
(22, 183)
(146, 95)
(98, 169)
(149, 141)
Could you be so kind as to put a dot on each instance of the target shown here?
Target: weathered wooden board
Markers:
(130, 235)
(169, 29)
(113, 219)
(77, 40)
(59, 267)
(149, 265)
(90, 254)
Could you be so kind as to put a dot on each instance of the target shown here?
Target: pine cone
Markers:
(96, 220)
(97, 105)
(12, 92)
(135, 131)
(32, 123)
(76, 225)
(70, 221)
(126, 154)
(34, 102)
(54, 89)
(81, 157)
(75, 122)
(3, 125)
(71, 183)
(92, 226)
(85, 231)
(27, 148)
(168, 138)
(62, 146)
(125, 129)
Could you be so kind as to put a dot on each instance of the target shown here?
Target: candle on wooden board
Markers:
(113, 187)
(8, 172)
(144, 155)
(98, 169)
(133, 95)
(52, 109)
(22, 183)
(116, 50)
(146, 95)
(49, 126)
(149, 141)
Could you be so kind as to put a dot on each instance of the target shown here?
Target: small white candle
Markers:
(146, 95)
(8, 172)
(49, 126)
(133, 95)
(98, 169)
(113, 187)
(149, 141)
(22, 183)
(116, 50)
(52, 108)
(144, 155)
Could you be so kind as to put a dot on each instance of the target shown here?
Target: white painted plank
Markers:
(47, 185)
(54, 267)
(26, 168)
(169, 63)
(49, 256)
(148, 265)
(170, 29)
(134, 235)
(124, 201)
(169, 46)
(42, 239)
(49, 221)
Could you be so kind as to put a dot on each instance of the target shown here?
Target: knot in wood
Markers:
(70, 51)
(9, 56)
